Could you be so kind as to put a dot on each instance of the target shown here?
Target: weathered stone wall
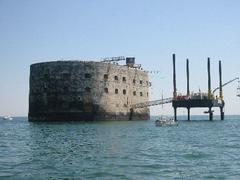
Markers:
(85, 90)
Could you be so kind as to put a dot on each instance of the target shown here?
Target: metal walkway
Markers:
(151, 103)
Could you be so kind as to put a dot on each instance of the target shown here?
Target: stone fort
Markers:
(87, 90)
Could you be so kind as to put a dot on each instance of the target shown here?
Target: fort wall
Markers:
(86, 90)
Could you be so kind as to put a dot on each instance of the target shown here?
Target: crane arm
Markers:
(226, 84)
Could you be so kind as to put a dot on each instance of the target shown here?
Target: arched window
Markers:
(141, 94)
(124, 79)
(116, 91)
(134, 93)
(124, 91)
(116, 78)
(141, 82)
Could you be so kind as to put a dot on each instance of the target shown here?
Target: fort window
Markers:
(116, 91)
(124, 91)
(141, 82)
(147, 94)
(124, 79)
(141, 94)
(134, 93)
(87, 75)
(134, 81)
(105, 77)
(88, 89)
(106, 90)
(116, 78)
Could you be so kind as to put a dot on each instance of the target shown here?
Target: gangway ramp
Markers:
(151, 103)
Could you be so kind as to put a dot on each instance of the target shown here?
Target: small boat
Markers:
(9, 118)
(165, 121)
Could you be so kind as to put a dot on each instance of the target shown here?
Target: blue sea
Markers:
(199, 149)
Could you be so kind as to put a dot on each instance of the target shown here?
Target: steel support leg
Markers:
(188, 109)
(175, 114)
(222, 113)
(210, 114)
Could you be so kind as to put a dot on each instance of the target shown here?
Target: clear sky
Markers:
(151, 30)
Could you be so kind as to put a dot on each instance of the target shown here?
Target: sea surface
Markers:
(199, 149)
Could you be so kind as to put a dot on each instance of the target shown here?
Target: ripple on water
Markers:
(120, 150)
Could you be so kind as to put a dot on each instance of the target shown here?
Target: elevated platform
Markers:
(198, 103)
(192, 103)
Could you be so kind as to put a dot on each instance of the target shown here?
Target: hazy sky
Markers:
(151, 30)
